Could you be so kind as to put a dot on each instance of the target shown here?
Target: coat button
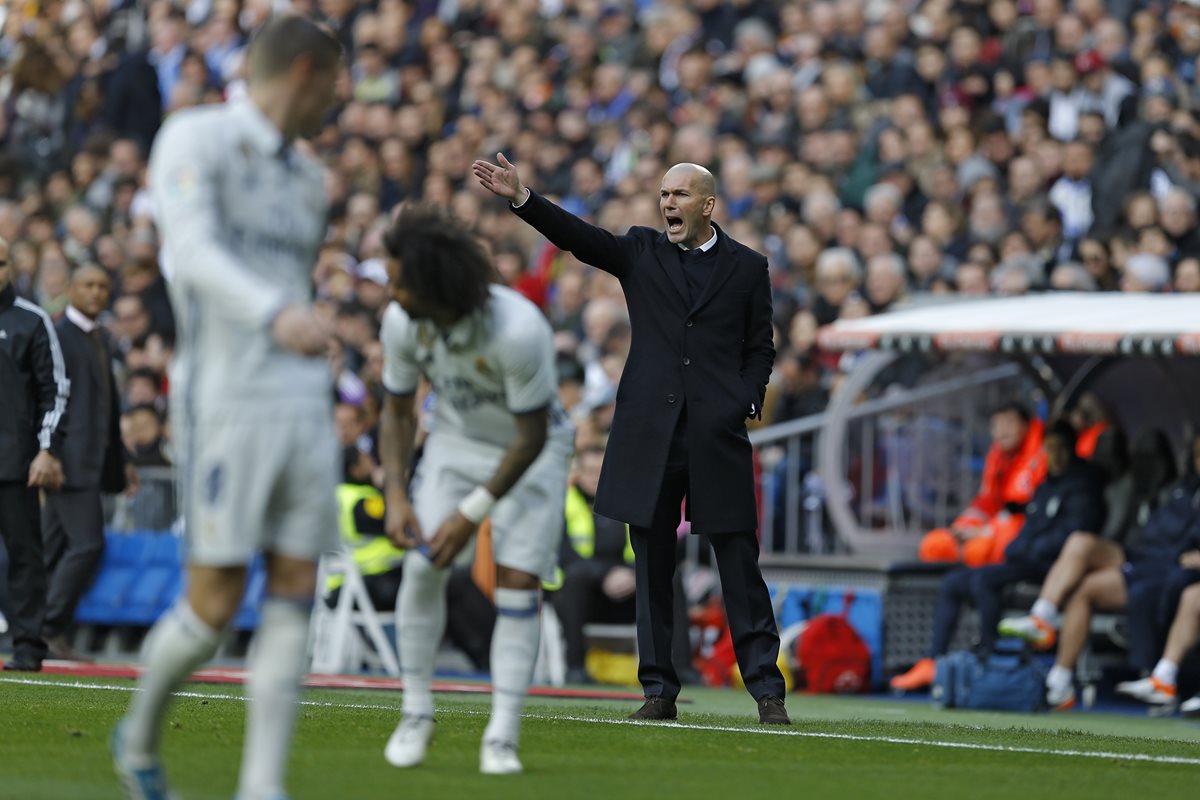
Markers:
(670, 398)
(686, 361)
(690, 323)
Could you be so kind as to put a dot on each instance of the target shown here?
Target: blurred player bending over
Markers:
(500, 448)
(242, 215)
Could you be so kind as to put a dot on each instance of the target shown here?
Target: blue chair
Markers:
(246, 618)
(103, 602)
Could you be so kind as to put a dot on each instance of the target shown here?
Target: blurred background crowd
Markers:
(877, 151)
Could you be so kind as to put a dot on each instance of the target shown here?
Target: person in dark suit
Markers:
(700, 310)
(93, 460)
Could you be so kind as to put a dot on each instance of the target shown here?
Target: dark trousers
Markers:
(73, 535)
(748, 606)
(1144, 583)
(20, 525)
(983, 587)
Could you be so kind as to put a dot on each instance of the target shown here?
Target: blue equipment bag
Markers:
(1007, 679)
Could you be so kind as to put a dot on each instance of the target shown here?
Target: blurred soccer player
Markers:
(500, 448)
(242, 215)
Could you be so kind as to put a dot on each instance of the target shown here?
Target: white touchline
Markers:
(995, 748)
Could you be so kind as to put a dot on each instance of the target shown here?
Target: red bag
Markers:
(832, 655)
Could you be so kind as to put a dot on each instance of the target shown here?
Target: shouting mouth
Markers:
(674, 224)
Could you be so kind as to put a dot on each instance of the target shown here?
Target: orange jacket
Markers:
(1007, 478)
(1085, 444)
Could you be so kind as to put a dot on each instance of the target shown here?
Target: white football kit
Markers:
(242, 217)
(488, 367)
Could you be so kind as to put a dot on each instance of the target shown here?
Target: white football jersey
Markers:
(242, 216)
(489, 366)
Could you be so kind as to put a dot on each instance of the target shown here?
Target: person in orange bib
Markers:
(1014, 468)
(1090, 419)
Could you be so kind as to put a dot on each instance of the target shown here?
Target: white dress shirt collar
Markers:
(82, 322)
(704, 248)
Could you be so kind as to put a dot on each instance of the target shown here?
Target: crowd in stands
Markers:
(877, 151)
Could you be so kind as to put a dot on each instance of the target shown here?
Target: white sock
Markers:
(277, 663)
(1059, 678)
(179, 642)
(420, 623)
(1047, 612)
(1166, 671)
(514, 654)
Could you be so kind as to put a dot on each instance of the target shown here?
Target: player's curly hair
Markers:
(441, 261)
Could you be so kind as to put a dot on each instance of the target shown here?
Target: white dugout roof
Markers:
(1082, 323)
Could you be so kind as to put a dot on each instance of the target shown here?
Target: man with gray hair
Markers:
(1145, 272)
(820, 213)
(1072, 277)
(1017, 275)
(1177, 212)
(838, 276)
(886, 282)
(882, 203)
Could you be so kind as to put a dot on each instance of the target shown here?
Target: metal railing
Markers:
(903, 462)
(872, 478)
(154, 506)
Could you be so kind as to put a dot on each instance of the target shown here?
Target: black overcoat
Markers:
(713, 355)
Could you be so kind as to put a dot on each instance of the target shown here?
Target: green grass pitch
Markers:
(54, 730)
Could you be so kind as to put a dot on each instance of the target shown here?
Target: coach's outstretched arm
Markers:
(183, 173)
(589, 243)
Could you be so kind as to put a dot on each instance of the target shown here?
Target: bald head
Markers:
(686, 200)
(701, 179)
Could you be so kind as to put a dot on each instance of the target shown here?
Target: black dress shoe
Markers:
(656, 708)
(772, 712)
(23, 664)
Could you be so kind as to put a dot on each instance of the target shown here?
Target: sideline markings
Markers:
(853, 737)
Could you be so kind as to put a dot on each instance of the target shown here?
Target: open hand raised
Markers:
(501, 179)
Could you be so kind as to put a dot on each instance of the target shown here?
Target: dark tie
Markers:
(104, 370)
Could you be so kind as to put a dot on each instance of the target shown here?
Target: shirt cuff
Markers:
(528, 194)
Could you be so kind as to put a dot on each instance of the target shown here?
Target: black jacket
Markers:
(33, 386)
(713, 355)
(87, 462)
(1074, 501)
(1172, 529)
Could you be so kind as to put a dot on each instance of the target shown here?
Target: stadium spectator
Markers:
(1014, 468)
(1068, 500)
